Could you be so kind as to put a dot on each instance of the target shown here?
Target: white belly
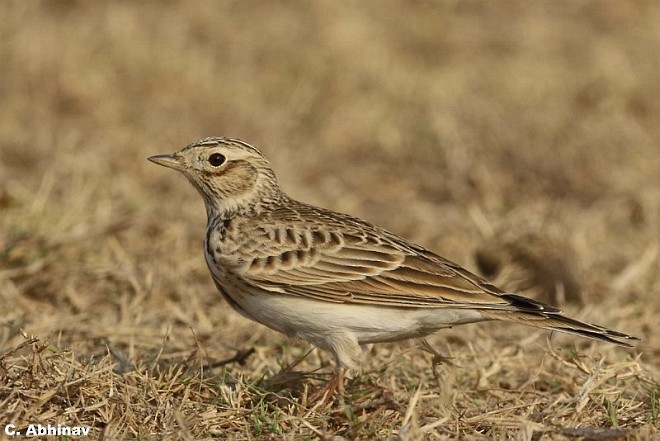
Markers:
(316, 320)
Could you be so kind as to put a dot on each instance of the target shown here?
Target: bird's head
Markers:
(231, 175)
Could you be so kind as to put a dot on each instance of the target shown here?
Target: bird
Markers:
(339, 282)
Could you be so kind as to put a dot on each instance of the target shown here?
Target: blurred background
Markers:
(521, 139)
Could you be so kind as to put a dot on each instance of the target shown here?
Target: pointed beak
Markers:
(170, 161)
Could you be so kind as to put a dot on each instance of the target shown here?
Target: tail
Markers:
(533, 313)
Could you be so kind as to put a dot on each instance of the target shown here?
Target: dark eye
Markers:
(216, 159)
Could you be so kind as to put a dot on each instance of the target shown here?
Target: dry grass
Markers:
(469, 127)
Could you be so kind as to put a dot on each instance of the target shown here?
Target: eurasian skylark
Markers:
(329, 278)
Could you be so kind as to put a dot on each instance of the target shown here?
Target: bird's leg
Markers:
(335, 383)
(438, 358)
(339, 380)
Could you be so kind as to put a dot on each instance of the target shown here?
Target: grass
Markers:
(519, 139)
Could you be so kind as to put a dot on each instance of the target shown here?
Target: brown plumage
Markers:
(330, 278)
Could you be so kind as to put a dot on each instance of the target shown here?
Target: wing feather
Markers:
(343, 266)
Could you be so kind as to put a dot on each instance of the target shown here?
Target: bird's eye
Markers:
(216, 159)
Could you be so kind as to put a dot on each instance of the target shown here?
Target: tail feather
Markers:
(533, 313)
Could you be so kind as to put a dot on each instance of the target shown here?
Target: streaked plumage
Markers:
(329, 278)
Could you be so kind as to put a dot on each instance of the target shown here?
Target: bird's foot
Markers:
(334, 384)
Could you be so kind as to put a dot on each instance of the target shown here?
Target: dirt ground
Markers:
(520, 139)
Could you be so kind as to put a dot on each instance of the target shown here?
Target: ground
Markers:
(520, 139)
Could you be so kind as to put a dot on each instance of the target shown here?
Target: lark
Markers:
(332, 279)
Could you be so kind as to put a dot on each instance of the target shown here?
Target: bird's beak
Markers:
(170, 161)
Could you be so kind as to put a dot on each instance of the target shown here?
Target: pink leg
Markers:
(335, 383)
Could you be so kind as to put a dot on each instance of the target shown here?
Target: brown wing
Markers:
(355, 265)
(343, 259)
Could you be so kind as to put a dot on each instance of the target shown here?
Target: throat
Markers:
(220, 210)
